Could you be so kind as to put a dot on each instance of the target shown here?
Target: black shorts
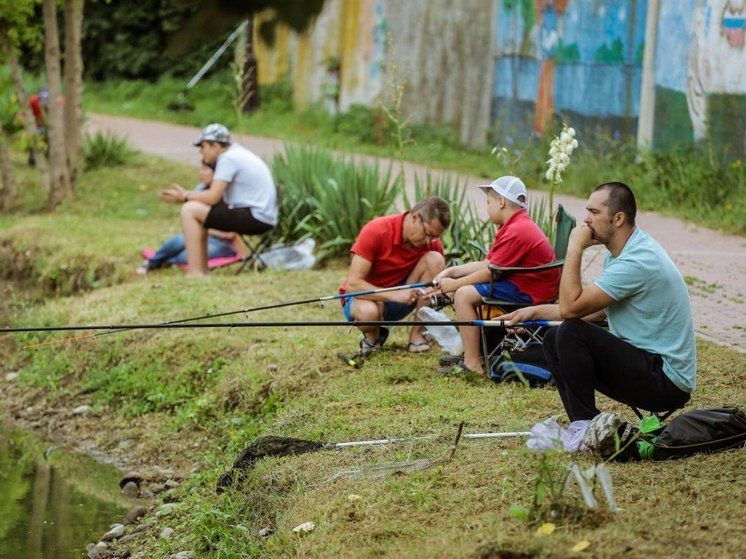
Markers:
(235, 220)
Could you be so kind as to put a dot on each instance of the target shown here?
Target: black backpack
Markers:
(700, 431)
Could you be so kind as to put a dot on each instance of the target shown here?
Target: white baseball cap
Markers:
(509, 187)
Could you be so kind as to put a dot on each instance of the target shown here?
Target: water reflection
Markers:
(50, 509)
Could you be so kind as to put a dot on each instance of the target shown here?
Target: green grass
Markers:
(192, 399)
(692, 183)
(95, 239)
(220, 389)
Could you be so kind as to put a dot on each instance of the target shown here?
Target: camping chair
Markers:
(253, 256)
(496, 340)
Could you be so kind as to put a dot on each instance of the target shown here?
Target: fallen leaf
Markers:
(582, 545)
(546, 529)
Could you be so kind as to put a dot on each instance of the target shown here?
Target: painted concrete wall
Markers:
(700, 74)
(514, 67)
(579, 58)
(435, 46)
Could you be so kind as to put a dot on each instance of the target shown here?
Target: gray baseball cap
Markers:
(509, 187)
(213, 133)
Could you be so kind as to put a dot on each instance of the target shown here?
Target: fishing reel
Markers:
(439, 301)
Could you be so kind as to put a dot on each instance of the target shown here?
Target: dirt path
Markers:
(714, 264)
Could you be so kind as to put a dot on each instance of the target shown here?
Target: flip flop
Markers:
(418, 347)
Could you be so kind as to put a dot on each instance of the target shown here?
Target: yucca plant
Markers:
(329, 197)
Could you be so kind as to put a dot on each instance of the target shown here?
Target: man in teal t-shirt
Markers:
(648, 359)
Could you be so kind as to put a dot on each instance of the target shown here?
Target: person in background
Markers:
(172, 252)
(241, 199)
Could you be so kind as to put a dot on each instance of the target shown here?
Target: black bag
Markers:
(699, 431)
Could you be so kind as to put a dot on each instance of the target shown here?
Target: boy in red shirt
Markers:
(389, 251)
(518, 242)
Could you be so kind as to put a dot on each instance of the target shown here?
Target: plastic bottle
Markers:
(447, 336)
(295, 257)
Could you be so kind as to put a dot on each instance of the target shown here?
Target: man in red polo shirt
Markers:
(519, 242)
(389, 251)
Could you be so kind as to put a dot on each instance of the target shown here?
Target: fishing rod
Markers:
(317, 323)
(290, 304)
(248, 310)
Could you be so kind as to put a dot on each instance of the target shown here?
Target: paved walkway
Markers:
(714, 264)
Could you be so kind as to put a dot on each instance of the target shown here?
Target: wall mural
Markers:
(579, 58)
(701, 92)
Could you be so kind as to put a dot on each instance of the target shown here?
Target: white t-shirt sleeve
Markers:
(226, 169)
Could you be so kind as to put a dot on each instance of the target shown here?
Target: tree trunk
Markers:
(250, 94)
(8, 185)
(29, 124)
(59, 183)
(73, 88)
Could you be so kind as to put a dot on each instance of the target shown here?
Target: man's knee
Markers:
(363, 310)
(434, 261)
(570, 331)
(194, 210)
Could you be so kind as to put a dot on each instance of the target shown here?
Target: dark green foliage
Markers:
(122, 38)
(367, 124)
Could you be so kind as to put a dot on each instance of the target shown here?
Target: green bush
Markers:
(105, 150)
(329, 197)
(366, 124)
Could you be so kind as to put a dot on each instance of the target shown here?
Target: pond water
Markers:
(51, 508)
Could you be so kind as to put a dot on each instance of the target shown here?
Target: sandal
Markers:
(367, 347)
(418, 347)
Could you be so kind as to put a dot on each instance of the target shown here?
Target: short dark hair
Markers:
(434, 208)
(621, 199)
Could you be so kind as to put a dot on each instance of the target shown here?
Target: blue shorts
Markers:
(391, 310)
(505, 291)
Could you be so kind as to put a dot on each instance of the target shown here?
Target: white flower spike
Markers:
(560, 151)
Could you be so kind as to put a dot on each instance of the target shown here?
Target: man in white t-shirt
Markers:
(242, 197)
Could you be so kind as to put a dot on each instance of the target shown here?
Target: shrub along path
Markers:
(713, 264)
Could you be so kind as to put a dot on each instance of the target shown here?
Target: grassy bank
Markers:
(191, 400)
(694, 184)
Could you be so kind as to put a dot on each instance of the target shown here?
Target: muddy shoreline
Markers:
(149, 472)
